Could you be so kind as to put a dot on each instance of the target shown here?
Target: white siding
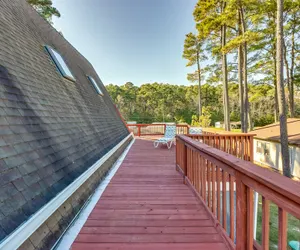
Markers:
(274, 158)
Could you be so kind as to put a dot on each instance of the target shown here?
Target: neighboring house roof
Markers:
(51, 129)
(272, 132)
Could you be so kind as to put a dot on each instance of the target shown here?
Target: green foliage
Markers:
(195, 120)
(193, 52)
(45, 9)
(203, 120)
(193, 49)
(159, 102)
(264, 120)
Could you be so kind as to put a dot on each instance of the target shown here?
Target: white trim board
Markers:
(24, 231)
(70, 235)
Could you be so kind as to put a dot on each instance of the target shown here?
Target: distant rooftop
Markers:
(272, 132)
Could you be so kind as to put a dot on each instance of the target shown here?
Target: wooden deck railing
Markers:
(155, 129)
(219, 178)
(240, 145)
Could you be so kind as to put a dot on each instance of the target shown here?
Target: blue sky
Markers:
(130, 40)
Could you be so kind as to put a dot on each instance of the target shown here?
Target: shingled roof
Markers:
(51, 129)
(272, 132)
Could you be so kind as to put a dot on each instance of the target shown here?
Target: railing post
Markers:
(184, 161)
(241, 215)
(244, 216)
(251, 148)
(139, 130)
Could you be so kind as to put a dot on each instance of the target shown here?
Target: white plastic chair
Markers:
(168, 138)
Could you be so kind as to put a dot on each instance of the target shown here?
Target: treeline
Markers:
(158, 102)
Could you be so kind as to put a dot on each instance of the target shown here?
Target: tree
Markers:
(291, 47)
(45, 9)
(193, 52)
(212, 19)
(280, 89)
(204, 120)
(264, 25)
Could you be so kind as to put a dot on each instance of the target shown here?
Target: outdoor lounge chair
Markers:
(168, 138)
(195, 131)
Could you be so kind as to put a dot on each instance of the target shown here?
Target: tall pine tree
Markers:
(193, 52)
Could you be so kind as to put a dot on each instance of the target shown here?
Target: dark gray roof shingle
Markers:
(51, 129)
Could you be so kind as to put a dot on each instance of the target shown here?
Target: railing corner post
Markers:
(244, 215)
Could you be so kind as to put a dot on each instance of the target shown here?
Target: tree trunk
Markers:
(245, 74)
(240, 76)
(225, 81)
(281, 95)
(276, 95)
(241, 89)
(287, 72)
(292, 102)
(250, 122)
(246, 99)
(225, 74)
(199, 86)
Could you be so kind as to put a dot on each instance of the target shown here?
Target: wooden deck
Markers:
(147, 206)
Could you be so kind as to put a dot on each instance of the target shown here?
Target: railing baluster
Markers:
(194, 167)
(190, 164)
(247, 148)
(236, 146)
(208, 184)
(282, 229)
(265, 223)
(249, 218)
(185, 159)
(224, 200)
(230, 145)
(218, 193)
(198, 173)
(241, 146)
(214, 189)
(231, 179)
(204, 178)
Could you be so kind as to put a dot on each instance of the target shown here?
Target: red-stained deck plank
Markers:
(149, 246)
(147, 206)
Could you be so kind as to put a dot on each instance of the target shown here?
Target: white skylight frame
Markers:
(95, 85)
(60, 63)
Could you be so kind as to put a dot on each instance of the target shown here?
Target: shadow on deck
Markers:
(147, 206)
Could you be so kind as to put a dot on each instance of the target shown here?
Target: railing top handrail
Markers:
(158, 124)
(223, 135)
(282, 185)
(209, 133)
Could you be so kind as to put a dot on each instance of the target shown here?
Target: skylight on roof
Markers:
(98, 90)
(60, 63)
